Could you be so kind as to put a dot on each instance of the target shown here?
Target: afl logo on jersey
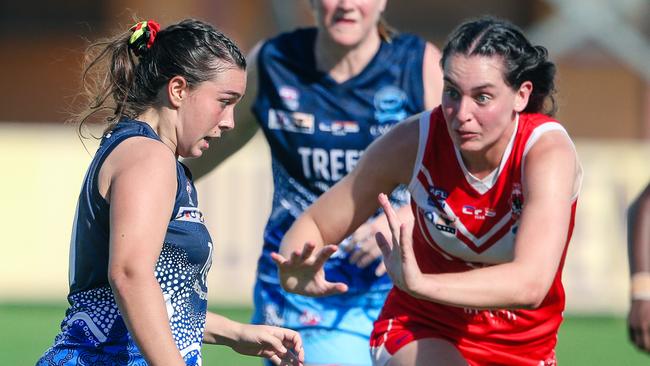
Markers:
(290, 96)
(390, 104)
(188, 188)
(516, 200)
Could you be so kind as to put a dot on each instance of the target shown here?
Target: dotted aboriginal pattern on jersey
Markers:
(92, 314)
(183, 287)
(289, 191)
(93, 331)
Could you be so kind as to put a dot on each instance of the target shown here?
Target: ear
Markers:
(522, 95)
(177, 90)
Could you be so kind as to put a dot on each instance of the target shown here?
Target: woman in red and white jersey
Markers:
(494, 180)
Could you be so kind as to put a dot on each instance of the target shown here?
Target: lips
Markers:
(344, 20)
(207, 141)
(466, 134)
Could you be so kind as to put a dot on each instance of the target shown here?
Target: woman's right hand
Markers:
(280, 345)
(303, 272)
(399, 257)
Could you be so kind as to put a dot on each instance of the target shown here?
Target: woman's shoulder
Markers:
(406, 37)
(536, 125)
(537, 118)
(143, 153)
(291, 40)
(407, 41)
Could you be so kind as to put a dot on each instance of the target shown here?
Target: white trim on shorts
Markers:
(380, 355)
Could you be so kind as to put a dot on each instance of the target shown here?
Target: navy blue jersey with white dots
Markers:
(93, 331)
(318, 128)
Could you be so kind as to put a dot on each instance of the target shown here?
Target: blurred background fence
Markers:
(602, 49)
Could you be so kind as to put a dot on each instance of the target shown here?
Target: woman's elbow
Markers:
(120, 278)
(531, 294)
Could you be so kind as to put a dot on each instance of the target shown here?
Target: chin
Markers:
(191, 154)
(470, 146)
(194, 154)
(343, 38)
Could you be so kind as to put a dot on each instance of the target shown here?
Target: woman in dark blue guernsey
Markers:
(322, 96)
(140, 250)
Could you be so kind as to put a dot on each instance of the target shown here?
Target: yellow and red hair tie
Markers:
(143, 36)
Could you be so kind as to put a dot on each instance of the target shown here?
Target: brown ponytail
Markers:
(386, 32)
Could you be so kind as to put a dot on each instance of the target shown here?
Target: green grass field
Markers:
(26, 330)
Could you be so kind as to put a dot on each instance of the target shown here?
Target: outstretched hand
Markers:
(281, 346)
(399, 257)
(638, 322)
(303, 272)
(363, 247)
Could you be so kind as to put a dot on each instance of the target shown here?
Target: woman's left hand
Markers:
(280, 345)
(399, 257)
(363, 244)
(638, 322)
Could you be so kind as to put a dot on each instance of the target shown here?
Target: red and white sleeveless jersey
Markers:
(462, 222)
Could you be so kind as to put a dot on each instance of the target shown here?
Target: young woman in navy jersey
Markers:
(140, 250)
(494, 181)
(322, 95)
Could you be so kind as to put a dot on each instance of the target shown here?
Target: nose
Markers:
(344, 4)
(228, 121)
(464, 112)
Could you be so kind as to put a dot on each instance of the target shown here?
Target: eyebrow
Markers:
(480, 87)
(232, 93)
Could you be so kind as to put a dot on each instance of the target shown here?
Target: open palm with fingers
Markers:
(399, 257)
(363, 246)
(282, 346)
(303, 272)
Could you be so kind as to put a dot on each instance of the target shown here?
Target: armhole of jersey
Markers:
(534, 137)
(94, 178)
(423, 136)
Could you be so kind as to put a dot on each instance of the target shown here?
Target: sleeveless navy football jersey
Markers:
(318, 129)
(93, 330)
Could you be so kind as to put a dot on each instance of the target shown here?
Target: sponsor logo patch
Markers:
(478, 213)
(310, 318)
(290, 96)
(191, 214)
(291, 121)
(389, 104)
(339, 128)
(440, 223)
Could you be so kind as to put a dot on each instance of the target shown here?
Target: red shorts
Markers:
(390, 335)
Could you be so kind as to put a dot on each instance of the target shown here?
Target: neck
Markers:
(344, 62)
(160, 122)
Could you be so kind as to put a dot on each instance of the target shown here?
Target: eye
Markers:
(483, 99)
(451, 93)
(226, 102)
(229, 100)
